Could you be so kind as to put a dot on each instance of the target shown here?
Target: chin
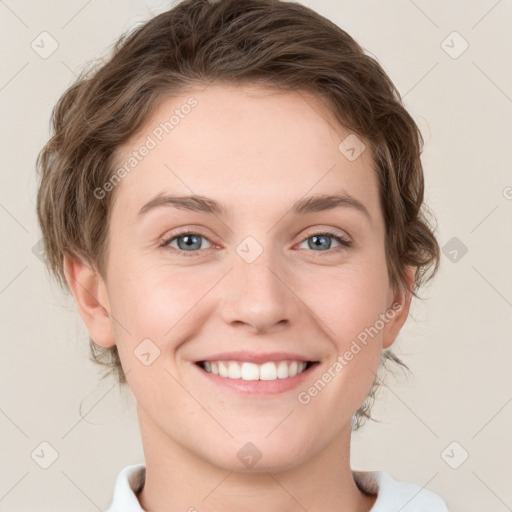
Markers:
(260, 456)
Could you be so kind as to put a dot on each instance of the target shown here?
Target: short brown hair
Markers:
(277, 44)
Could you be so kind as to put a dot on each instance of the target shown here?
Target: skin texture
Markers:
(256, 151)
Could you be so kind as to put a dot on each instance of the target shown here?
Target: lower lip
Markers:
(262, 387)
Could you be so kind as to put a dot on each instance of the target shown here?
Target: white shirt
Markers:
(392, 496)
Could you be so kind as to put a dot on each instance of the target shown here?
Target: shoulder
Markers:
(393, 495)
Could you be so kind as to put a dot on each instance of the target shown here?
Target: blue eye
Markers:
(323, 242)
(189, 244)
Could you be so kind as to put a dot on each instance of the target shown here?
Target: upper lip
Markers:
(257, 358)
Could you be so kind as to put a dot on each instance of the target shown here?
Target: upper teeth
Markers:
(251, 371)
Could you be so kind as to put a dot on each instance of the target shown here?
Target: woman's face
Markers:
(246, 274)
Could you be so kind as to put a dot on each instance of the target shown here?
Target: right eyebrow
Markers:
(193, 203)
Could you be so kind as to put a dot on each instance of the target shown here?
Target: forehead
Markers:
(241, 144)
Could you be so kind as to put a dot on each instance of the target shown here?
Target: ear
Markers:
(90, 293)
(398, 309)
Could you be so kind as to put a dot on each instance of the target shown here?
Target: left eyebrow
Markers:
(310, 204)
(324, 202)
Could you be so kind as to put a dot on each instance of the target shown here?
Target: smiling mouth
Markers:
(272, 370)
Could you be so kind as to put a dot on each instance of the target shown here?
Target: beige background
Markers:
(458, 344)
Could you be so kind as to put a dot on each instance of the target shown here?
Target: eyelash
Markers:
(344, 243)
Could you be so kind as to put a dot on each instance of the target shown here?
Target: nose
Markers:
(259, 295)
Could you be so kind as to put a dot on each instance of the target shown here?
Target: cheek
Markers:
(156, 301)
(349, 304)
(349, 312)
(349, 299)
(152, 309)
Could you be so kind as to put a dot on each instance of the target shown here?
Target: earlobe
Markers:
(90, 294)
(398, 310)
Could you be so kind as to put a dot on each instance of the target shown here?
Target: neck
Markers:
(177, 479)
